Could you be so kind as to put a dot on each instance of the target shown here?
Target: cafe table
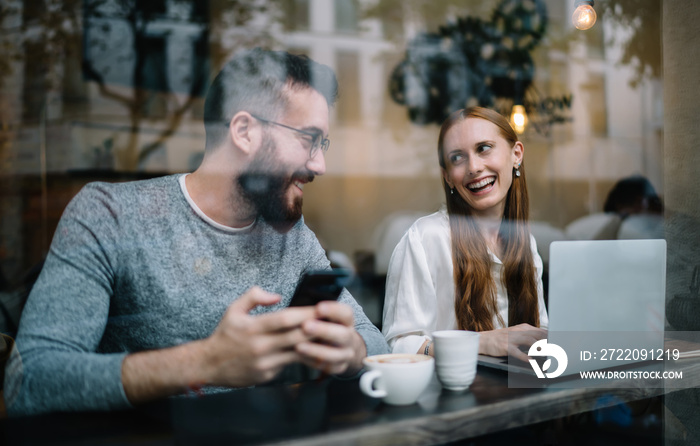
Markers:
(334, 412)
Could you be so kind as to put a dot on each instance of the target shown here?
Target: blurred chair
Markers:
(6, 344)
(385, 237)
(388, 234)
(599, 226)
(339, 259)
(13, 298)
(545, 234)
(642, 226)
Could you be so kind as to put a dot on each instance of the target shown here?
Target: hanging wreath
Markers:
(470, 62)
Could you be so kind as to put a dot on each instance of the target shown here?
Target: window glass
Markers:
(349, 85)
(346, 16)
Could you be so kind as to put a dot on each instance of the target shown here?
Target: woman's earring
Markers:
(452, 191)
(517, 172)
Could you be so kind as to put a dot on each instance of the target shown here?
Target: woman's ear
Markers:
(241, 131)
(446, 176)
(518, 152)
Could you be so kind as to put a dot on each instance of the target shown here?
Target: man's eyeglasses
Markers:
(317, 139)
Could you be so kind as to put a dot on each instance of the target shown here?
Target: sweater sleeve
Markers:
(56, 364)
(374, 340)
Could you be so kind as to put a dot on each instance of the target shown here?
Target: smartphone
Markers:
(319, 285)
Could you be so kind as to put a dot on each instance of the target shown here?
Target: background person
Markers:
(474, 265)
(154, 287)
(633, 195)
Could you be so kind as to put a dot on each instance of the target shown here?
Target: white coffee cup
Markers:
(456, 353)
(397, 378)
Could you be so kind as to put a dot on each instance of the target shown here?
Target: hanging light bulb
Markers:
(584, 15)
(518, 118)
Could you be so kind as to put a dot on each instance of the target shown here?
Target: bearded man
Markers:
(155, 287)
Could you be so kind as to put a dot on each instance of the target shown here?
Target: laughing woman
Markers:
(474, 265)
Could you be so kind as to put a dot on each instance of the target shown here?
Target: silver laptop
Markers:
(604, 295)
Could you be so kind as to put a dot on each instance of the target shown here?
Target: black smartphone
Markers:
(319, 285)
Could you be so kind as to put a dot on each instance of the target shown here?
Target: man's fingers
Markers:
(337, 312)
(328, 332)
(326, 358)
(280, 360)
(267, 368)
(277, 342)
(285, 319)
(252, 298)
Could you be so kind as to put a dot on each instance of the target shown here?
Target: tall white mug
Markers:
(397, 378)
(456, 353)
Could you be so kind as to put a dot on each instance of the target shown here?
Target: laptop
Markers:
(604, 296)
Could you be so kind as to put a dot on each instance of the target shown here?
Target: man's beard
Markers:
(265, 186)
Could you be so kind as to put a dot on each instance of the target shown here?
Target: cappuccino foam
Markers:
(398, 359)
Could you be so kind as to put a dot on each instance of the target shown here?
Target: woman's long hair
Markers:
(475, 289)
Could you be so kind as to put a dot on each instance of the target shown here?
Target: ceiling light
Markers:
(584, 16)
(518, 118)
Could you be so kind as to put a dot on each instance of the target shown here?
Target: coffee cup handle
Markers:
(367, 382)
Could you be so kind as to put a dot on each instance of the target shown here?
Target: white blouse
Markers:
(420, 294)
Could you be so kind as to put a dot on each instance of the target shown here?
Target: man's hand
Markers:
(507, 341)
(246, 350)
(334, 347)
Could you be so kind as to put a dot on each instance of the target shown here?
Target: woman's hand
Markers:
(508, 341)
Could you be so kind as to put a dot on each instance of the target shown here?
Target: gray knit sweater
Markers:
(134, 266)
